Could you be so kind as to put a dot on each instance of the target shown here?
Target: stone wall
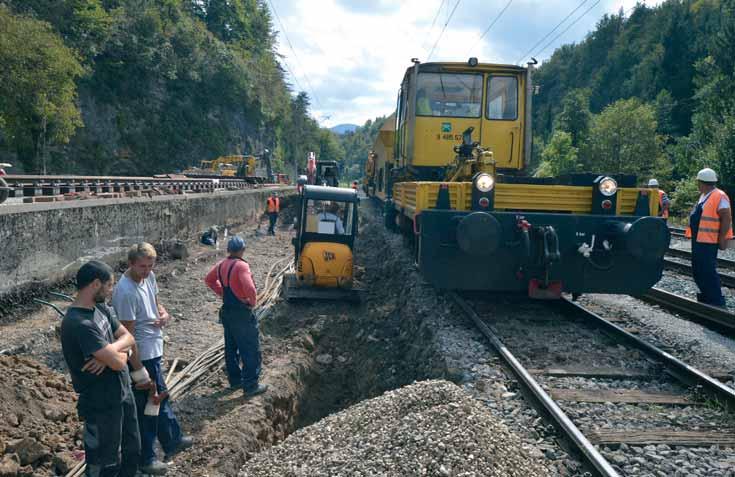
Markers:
(48, 242)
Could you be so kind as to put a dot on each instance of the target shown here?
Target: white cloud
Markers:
(351, 54)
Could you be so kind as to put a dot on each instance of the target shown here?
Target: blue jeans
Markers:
(704, 270)
(242, 343)
(164, 426)
(272, 218)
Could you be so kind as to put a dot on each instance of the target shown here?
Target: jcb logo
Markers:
(328, 256)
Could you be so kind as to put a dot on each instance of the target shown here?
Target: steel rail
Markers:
(541, 399)
(721, 262)
(714, 317)
(725, 279)
(678, 369)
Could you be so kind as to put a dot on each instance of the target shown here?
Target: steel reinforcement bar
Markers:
(541, 399)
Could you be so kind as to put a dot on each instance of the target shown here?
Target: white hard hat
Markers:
(707, 175)
(653, 183)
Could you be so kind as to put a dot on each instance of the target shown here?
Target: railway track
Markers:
(31, 186)
(609, 376)
(686, 254)
(677, 232)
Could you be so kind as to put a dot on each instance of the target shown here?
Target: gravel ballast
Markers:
(427, 428)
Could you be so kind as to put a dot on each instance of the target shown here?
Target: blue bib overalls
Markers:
(241, 337)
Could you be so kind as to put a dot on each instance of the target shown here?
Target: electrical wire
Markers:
(443, 29)
(567, 28)
(433, 22)
(492, 23)
(530, 50)
(296, 57)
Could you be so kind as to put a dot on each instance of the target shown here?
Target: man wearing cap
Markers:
(231, 279)
(710, 228)
(274, 206)
(663, 199)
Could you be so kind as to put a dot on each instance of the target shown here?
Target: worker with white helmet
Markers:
(663, 199)
(710, 227)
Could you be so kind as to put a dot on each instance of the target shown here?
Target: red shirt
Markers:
(242, 280)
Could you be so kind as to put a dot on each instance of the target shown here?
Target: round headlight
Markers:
(484, 182)
(608, 186)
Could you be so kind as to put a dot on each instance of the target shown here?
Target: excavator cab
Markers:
(325, 237)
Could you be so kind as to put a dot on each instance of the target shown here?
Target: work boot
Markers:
(184, 443)
(260, 389)
(154, 468)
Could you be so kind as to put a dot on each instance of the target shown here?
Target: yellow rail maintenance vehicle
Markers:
(456, 185)
(379, 160)
(325, 238)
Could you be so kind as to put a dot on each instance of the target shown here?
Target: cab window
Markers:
(329, 217)
(502, 98)
(454, 95)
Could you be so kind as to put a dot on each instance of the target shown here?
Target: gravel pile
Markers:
(427, 428)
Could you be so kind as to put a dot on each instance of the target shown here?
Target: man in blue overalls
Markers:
(231, 279)
(710, 228)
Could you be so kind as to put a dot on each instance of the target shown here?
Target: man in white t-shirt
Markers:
(137, 307)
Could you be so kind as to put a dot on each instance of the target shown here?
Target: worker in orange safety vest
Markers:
(273, 207)
(663, 199)
(710, 228)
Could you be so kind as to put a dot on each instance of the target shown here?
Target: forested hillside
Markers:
(357, 144)
(651, 93)
(140, 87)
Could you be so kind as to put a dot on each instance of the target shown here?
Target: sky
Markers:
(350, 55)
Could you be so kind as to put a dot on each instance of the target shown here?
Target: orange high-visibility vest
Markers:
(274, 204)
(664, 212)
(709, 224)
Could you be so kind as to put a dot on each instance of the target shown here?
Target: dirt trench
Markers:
(319, 357)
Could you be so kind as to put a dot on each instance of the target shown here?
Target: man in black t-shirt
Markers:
(95, 348)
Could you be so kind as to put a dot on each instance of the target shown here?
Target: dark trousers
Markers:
(164, 426)
(704, 270)
(272, 218)
(107, 435)
(242, 343)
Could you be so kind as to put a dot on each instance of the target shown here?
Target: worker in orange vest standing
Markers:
(710, 228)
(274, 206)
(663, 199)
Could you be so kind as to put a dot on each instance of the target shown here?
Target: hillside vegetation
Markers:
(140, 87)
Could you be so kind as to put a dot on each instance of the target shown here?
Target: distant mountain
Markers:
(343, 128)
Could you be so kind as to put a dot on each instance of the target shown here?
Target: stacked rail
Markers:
(22, 186)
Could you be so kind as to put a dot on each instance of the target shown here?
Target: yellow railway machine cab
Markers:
(379, 162)
(325, 237)
(458, 186)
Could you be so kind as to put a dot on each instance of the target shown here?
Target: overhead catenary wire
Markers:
(295, 55)
(530, 50)
(449, 18)
(492, 23)
(567, 28)
(433, 22)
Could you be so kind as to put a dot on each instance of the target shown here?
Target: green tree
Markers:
(559, 156)
(37, 88)
(575, 115)
(622, 139)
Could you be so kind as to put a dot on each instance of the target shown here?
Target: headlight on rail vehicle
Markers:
(484, 182)
(608, 186)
